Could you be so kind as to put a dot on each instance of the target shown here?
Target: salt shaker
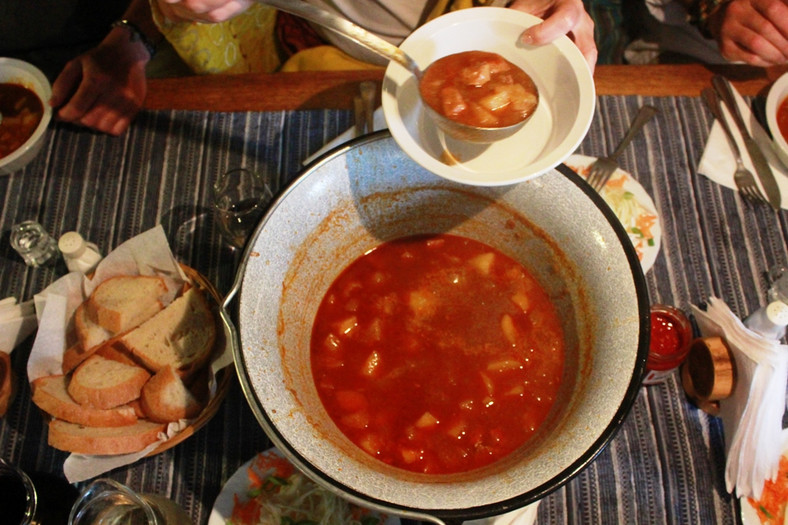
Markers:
(769, 321)
(80, 256)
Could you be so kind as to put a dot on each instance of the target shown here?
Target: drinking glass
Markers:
(239, 197)
(19, 495)
(108, 502)
(33, 243)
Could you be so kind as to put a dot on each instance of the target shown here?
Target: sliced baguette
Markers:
(106, 383)
(51, 395)
(81, 439)
(126, 301)
(110, 351)
(89, 333)
(181, 335)
(165, 398)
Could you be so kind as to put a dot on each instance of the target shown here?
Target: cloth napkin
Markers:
(717, 162)
(17, 321)
(752, 415)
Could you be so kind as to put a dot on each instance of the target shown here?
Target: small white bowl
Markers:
(777, 94)
(567, 98)
(20, 72)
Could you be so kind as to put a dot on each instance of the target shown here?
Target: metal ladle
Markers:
(391, 52)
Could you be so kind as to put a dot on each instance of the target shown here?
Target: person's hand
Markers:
(561, 17)
(104, 88)
(752, 31)
(202, 10)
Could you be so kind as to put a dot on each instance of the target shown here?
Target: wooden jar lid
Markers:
(709, 373)
(7, 385)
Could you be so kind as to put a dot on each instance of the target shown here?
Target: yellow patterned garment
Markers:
(243, 44)
(247, 43)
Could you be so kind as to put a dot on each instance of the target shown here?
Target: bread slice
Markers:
(181, 336)
(51, 395)
(81, 439)
(124, 302)
(89, 333)
(110, 351)
(165, 398)
(105, 383)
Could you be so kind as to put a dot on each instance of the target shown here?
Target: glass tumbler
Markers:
(239, 197)
(108, 502)
(33, 243)
(18, 495)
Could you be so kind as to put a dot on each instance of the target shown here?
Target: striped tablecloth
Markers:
(666, 463)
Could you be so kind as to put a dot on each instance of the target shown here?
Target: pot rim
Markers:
(486, 510)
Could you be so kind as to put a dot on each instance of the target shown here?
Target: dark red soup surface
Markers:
(782, 118)
(478, 88)
(437, 354)
(22, 111)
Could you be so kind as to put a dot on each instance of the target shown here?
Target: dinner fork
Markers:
(604, 167)
(742, 177)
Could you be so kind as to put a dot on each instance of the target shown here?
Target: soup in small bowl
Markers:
(777, 117)
(25, 113)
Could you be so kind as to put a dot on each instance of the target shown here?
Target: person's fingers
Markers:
(82, 100)
(211, 11)
(109, 116)
(66, 83)
(566, 20)
(759, 28)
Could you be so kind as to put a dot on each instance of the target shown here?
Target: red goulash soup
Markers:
(437, 354)
(480, 89)
(22, 111)
(782, 118)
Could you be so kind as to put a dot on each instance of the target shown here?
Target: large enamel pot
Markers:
(368, 192)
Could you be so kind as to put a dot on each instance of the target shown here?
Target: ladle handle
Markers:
(346, 28)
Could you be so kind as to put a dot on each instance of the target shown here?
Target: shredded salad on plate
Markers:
(278, 494)
(771, 508)
(638, 220)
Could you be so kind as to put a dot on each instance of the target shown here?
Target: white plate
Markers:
(647, 251)
(749, 516)
(238, 484)
(559, 124)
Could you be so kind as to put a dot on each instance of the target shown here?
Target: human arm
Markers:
(561, 17)
(751, 31)
(105, 87)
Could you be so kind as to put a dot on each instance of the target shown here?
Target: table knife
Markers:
(762, 168)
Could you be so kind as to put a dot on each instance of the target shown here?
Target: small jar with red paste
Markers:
(671, 335)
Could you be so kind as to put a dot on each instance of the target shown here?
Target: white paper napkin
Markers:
(752, 415)
(379, 122)
(146, 254)
(717, 162)
(17, 321)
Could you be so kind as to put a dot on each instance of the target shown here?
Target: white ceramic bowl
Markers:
(20, 72)
(777, 93)
(567, 99)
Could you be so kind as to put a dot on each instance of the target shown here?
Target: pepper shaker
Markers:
(80, 255)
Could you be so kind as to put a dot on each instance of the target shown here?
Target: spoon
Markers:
(336, 23)
(347, 28)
